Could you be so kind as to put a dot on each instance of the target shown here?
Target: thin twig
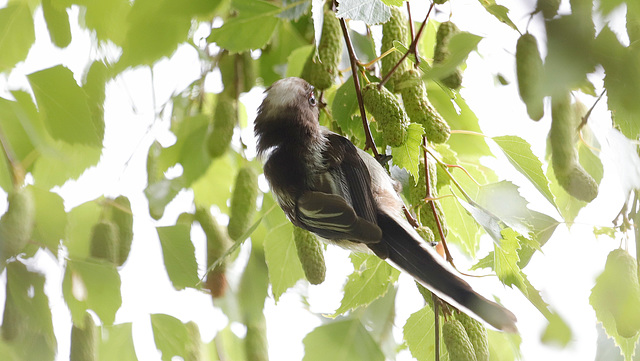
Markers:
(417, 62)
(411, 50)
(370, 143)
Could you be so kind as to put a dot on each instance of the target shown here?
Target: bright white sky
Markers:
(565, 272)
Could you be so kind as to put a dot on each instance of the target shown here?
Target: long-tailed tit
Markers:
(330, 187)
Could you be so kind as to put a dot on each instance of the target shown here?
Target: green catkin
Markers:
(388, 113)
(417, 193)
(322, 71)
(16, 225)
(457, 342)
(217, 244)
(122, 216)
(564, 156)
(310, 254)
(221, 130)
(255, 342)
(441, 53)
(394, 29)
(549, 8)
(243, 202)
(104, 241)
(419, 109)
(194, 343)
(84, 341)
(477, 335)
(620, 281)
(530, 71)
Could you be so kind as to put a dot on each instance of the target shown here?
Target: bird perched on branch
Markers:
(330, 187)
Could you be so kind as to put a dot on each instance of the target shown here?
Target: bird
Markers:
(328, 186)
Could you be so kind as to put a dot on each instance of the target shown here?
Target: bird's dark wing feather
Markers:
(345, 208)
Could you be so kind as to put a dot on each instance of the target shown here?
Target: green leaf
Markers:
(506, 260)
(64, 106)
(14, 131)
(344, 340)
(568, 206)
(459, 116)
(57, 23)
(557, 332)
(282, 258)
(194, 156)
(393, 2)
(238, 34)
(80, 220)
(505, 344)
(345, 104)
(460, 46)
(170, 335)
(179, 257)
(93, 285)
(519, 153)
(463, 229)
(51, 219)
(364, 46)
(295, 61)
(370, 11)
(117, 343)
(16, 27)
(274, 57)
(419, 333)
(407, 155)
(25, 289)
(63, 163)
(593, 165)
(499, 11)
(369, 281)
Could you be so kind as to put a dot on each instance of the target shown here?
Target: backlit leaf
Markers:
(346, 340)
(179, 257)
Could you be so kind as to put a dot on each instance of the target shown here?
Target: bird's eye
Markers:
(312, 99)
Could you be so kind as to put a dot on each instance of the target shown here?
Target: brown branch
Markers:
(411, 32)
(370, 143)
(411, 50)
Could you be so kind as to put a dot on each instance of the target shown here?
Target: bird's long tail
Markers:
(405, 250)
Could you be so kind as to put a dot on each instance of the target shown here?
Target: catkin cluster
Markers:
(112, 236)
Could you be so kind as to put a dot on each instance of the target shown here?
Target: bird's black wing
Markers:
(343, 206)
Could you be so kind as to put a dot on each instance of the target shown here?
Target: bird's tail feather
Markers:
(406, 251)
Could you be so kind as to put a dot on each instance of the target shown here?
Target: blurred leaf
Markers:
(93, 285)
(369, 281)
(117, 343)
(238, 34)
(26, 291)
(499, 11)
(161, 193)
(370, 11)
(273, 62)
(364, 46)
(593, 165)
(214, 187)
(64, 106)
(296, 11)
(232, 345)
(179, 257)
(51, 219)
(407, 155)
(344, 106)
(282, 258)
(253, 286)
(80, 220)
(95, 87)
(344, 340)
(65, 163)
(16, 27)
(109, 19)
(419, 333)
(504, 344)
(14, 132)
(557, 332)
(460, 46)
(519, 153)
(57, 23)
(170, 335)
(626, 160)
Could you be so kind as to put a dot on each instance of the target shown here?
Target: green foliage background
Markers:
(52, 131)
